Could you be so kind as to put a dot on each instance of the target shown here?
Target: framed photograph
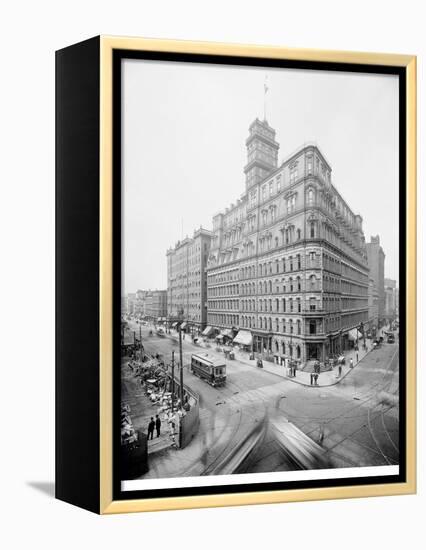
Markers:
(236, 263)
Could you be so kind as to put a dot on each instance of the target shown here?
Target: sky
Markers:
(184, 128)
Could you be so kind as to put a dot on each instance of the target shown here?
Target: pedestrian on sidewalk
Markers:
(312, 378)
(357, 359)
(316, 378)
(351, 363)
(158, 425)
(340, 370)
(151, 427)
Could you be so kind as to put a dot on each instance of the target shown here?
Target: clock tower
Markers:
(262, 152)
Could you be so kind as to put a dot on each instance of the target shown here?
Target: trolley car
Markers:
(209, 369)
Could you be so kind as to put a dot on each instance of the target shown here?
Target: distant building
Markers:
(373, 305)
(131, 300)
(376, 264)
(186, 279)
(288, 263)
(391, 299)
(140, 303)
(156, 305)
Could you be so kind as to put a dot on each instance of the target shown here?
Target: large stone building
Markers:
(156, 305)
(186, 280)
(288, 262)
(376, 264)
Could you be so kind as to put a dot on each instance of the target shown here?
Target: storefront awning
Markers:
(353, 334)
(183, 325)
(159, 319)
(207, 331)
(243, 337)
(174, 324)
(227, 333)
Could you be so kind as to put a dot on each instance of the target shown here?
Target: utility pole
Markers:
(181, 367)
(172, 389)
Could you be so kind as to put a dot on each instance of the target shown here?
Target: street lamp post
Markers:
(181, 367)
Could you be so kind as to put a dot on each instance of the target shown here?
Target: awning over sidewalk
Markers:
(207, 331)
(353, 334)
(227, 333)
(183, 325)
(243, 337)
(174, 324)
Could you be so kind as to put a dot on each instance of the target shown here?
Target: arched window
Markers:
(312, 230)
(270, 286)
(310, 197)
(298, 326)
(270, 324)
(299, 285)
(299, 234)
(312, 282)
(260, 322)
(283, 348)
(299, 262)
(276, 346)
(260, 270)
(298, 352)
(277, 326)
(283, 304)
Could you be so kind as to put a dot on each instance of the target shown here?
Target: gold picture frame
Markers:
(107, 46)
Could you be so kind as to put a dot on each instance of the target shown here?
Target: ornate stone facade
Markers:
(186, 279)
(288, 260)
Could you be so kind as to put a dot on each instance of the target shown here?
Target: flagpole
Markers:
(265, 90)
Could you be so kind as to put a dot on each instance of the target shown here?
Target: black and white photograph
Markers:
(260, 275)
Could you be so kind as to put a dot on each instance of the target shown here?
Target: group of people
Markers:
(314, 378)
(154, 425)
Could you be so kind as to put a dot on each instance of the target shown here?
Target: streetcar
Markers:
(209, 369)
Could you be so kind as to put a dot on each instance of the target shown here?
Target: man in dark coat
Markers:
(151, 427)
(158, 425)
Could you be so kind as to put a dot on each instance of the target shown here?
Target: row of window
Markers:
(225, 290)
(290, 263)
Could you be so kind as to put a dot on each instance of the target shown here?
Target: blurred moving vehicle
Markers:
(391, 339)
(299, 448)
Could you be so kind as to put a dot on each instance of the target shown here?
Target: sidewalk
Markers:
(327, 378)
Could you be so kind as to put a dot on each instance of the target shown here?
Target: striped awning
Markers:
(207, 331)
